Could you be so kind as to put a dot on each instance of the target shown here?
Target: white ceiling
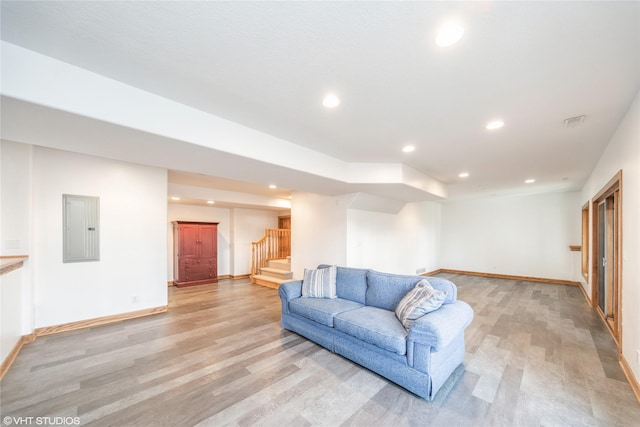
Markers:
(266, 65)
(200, 180)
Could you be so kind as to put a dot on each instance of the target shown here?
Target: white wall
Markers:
(16, 198)
(318, 231)
(325, 230)
(133, 218)
(395, 243)
(518, 235)
(248, 226)
(15, 235)
(623, 153)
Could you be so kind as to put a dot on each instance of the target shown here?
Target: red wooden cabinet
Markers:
(195, 253)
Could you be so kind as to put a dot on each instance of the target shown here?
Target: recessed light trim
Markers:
(331, 100)
(529, 181)
(463, 174)
(495, 124)
(450, 33)
(408, 149)
(176, 198)
(273, 186)
(210, 202)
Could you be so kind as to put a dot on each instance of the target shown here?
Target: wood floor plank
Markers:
(536, 355)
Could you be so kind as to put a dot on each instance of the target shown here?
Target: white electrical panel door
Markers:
(81, 240)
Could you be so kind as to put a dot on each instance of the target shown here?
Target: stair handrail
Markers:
(275, 244)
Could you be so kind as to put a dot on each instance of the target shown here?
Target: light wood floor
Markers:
(536, 355)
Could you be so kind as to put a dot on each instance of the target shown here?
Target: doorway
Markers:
(284, 221)
(607, 266)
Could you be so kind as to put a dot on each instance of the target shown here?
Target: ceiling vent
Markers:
(573, 122)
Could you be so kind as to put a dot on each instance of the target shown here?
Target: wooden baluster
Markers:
(275, 244)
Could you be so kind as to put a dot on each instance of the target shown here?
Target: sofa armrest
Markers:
(438, 328)
(289, 291)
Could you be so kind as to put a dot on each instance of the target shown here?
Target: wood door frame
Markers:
(584, 256)
(284, 219)
(614, 185)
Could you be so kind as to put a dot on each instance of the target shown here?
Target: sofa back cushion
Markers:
(444, 285)
(351, 283)
(385, 290)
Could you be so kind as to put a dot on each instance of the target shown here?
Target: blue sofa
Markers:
(361, 325)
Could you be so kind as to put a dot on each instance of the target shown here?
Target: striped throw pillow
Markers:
(420, 300)
(320, 283)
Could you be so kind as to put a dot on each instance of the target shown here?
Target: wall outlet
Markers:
(421, 270)
(134, 299)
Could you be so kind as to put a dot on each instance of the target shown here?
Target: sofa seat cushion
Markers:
(321, 310)
(375, 326)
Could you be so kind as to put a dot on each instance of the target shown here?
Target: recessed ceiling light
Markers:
(408, 149)
(175, 198)
(449, 34)
(272, 186)
(463, 174)
(495, 124)
(530, 181)
(331, 101)
(210, 202)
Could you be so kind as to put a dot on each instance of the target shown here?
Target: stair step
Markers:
(280, 264)
(269, 281)
(277, 273)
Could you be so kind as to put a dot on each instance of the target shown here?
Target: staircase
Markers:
(276, 272)
(271, 258)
